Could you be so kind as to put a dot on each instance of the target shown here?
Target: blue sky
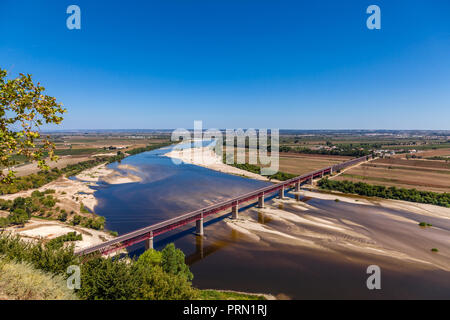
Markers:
(236, 63)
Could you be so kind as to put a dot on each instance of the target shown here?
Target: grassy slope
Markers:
(21, 281)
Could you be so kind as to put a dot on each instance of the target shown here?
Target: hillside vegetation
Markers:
(22, 281)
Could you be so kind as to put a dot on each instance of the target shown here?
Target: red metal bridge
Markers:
(148, 233)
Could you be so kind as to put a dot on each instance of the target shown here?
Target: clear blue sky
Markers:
(236, 63)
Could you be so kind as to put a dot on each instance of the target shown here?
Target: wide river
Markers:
(223, 259)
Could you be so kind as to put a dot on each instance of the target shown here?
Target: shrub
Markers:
(41, 257)
(63, 216)
(76, 220)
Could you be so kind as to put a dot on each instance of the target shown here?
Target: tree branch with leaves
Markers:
(24, 108)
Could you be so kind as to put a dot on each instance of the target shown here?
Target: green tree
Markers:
(150, 258)
(23, 110)
(173, 262)
(107, 279)
(155, 284)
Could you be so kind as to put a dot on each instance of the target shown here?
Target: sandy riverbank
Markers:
(385, 231)
(110, 176)
(206, 157)
(72, 194)
(37, 229)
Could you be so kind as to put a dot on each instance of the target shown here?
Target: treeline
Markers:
(148, 148)
(58, 242)
(364, 189)
(154, 275)
(282, 176)
(340, 151)
(446, 159)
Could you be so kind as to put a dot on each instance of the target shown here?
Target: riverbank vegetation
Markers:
(340, 150)
(148, 148)
(282, 176)
(21, 209)
(364, 189)
(43, 205)
(59, 242)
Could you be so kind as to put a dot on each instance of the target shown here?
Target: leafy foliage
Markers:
(173, 262)
(108, 278)
(23, 109)
(282, 176)
(155, 275)
(54, 260)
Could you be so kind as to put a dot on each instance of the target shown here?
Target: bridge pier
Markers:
(235, 211)
(281, 193)
(297, 186)
(149, 242)
(261, 201)
(199, 226)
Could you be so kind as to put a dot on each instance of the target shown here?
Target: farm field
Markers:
(300, 164)
(445, 153)
(427, 175)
